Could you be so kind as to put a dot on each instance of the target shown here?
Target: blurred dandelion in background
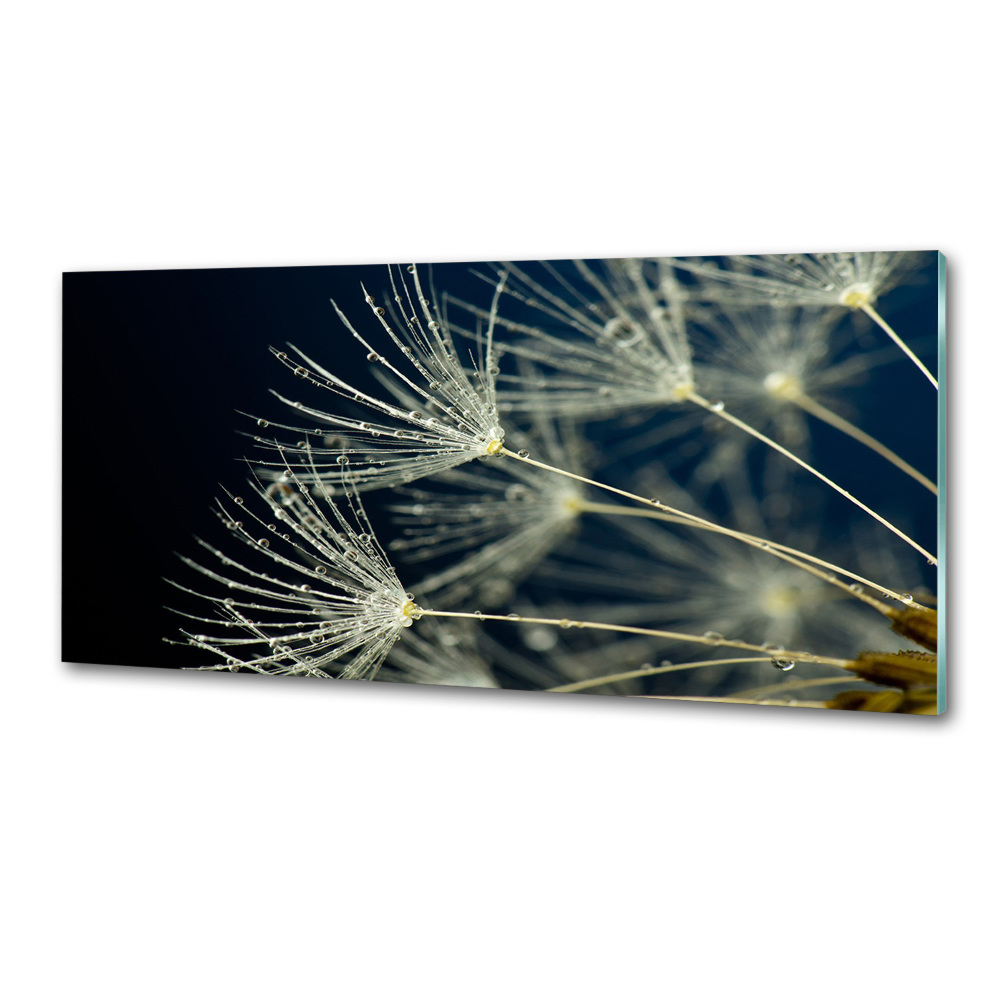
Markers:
(849, 280)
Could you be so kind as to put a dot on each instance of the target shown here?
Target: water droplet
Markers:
(564, 623)
(302, 372)
(856, 588)
(513, 617)
(716, 405)
(238, 500)
(416, 415)
(263, 543)
(646, 666)
(411, 269)
(262, 422)
(622, 331)
(524, 453)
(373, 355)
(321, 570)
(906, 598)
(379, 311)
(342, 460)
(782, 663)
(713, 637)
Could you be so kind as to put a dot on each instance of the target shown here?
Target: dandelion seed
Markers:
(339, 617)
(619, 342)
(442, 416)
(809, 279)
(847, 280)
(777, 365)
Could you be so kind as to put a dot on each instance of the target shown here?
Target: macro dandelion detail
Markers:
(610, 342)
(674, 478)
(331, 601)
(850, 280)
(820, 279)
(443, 412)
(496, 523)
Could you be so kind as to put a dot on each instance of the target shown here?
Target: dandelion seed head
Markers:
(851, 280)
(441, 409)
(780, 600)
(782, 385)
(858, 295)
(598, 341)
(768, 362)
(322, 600)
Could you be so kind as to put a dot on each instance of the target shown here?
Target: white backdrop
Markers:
(206, 836)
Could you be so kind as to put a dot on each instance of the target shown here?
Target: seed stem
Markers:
(799, 682)
(736, 422)
(898, 341)
(636, 630)
(735, 701)
(692, 519)
(629, 675)
(772, 548)
(811, 406)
